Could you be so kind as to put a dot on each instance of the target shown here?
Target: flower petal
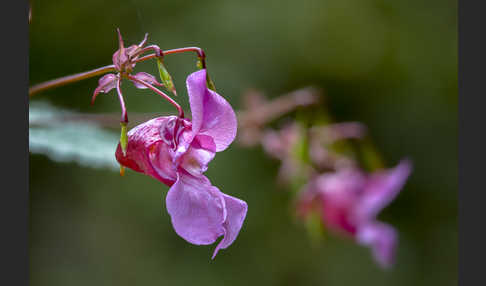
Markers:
(381, 188)
(147, 152)
(105, 84)
(197, 209)
(196, 159)
(148, 78)
(211, 114)
(382, 239)
(235, 216)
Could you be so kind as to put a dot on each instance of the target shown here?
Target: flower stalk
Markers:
(33, 90)
(159, 92)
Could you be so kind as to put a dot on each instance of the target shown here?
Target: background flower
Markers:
(349, 201)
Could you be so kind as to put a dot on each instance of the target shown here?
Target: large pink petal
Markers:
(211, 114)
(235, 216)
(197, 209)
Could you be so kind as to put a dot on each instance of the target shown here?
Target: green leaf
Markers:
(62, 140)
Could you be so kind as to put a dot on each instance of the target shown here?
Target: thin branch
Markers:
(69, 79)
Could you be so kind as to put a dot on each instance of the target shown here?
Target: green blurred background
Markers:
(389, 64)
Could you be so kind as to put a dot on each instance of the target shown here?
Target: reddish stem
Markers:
(154, 48)
(69, 79)
(200, 53)
(168, 98)
(124, 116)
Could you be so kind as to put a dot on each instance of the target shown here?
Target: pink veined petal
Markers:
(147, 152)
(197, 209)
(382, 238)
(382, 187)
(211, 114)
(202, 150)
(105, 84)
(148, 78)
(236, 210)
(197, 90)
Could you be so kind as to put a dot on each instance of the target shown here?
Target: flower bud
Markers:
(165, 77)
(210, 83)
(123, 138)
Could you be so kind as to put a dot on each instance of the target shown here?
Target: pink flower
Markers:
(177, 152)
(350, 201)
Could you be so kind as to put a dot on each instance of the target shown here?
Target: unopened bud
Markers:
(210, 83)
(165, 77)
(199, 63)
(123, 138)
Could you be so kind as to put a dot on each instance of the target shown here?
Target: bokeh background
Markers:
(389, 64)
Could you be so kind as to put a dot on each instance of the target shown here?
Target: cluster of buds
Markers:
(320, 164)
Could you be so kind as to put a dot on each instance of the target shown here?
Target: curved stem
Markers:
(159, 92)
(69, 79)
(200, 53)
(124, 116)
(154, 48)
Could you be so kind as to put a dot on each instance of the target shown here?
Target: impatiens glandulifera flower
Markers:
(349, 201)
(177, 152)
(172, 149)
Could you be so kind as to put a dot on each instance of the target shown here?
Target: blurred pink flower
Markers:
(349, 202)
(281, 144)
(177, 152)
